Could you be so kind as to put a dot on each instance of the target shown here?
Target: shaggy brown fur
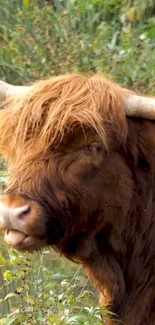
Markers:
(57, 105)
(90, 173)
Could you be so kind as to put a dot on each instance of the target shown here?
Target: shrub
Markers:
(40, 39)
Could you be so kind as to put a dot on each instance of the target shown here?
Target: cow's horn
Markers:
(140, 106)
(7, 90)
(135, 105)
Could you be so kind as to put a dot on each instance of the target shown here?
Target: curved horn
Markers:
(135, 105)
(7, 90)
(140, 106)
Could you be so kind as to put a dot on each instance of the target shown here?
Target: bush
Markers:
(40, 39)
(41, 289)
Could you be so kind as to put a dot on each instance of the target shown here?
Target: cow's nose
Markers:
(12, 217)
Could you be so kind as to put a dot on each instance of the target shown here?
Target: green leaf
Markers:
(10, 295)
(11, 320)
(3, 260)
(26, 3)
(75, 319)
(7, 275)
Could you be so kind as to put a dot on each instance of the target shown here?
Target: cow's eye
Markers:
(93, 147)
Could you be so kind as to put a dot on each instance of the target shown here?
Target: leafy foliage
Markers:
(42, 38)
(51, 292)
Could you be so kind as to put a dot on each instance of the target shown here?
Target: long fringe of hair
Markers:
(32, 122)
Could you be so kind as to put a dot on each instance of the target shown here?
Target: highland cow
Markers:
(82, 180)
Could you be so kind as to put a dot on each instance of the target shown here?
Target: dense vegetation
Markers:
(39, 39)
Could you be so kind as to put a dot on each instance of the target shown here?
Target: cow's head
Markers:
(60, 137)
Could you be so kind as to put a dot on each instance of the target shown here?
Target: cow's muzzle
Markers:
(18, 222)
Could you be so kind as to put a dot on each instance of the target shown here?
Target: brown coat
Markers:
(88, 175)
